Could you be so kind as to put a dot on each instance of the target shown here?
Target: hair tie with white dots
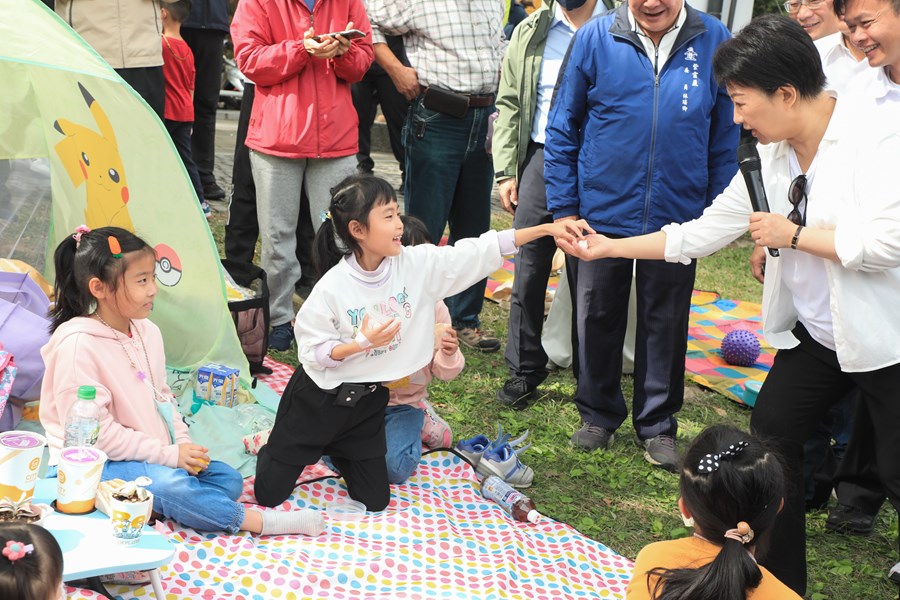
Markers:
(710, 463)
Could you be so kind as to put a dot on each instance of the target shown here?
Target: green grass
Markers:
(615, 497)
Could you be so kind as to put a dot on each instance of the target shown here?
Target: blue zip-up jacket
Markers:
(625, 150)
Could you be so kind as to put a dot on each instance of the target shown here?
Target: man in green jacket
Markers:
(530, 70)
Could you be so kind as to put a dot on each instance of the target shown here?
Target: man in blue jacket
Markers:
(639, 136)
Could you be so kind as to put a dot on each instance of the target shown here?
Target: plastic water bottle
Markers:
(83, 419)
(519, 506)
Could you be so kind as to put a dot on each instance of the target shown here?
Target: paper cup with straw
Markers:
(20, 459)
(80, 468)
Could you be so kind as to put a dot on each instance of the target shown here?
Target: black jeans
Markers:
(207, 47)
(308, 425)
(803, 384)
(525, 357)
(150, 84)
(180, 132)
(374, 89)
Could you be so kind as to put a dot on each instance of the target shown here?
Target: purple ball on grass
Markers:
(740, 347)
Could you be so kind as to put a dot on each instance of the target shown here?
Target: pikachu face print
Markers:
(92, 159)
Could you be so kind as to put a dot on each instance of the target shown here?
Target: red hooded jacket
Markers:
(303, 107)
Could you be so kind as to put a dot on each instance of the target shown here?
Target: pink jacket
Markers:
(84, 351)
(413, 389)
(303, 107)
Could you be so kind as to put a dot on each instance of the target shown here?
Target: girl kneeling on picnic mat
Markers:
(732, 488)
(369, 319)
(101, 337)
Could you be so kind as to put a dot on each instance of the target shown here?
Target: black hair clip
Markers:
(710, 463)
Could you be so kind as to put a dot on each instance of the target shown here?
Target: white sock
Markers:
(286, 522)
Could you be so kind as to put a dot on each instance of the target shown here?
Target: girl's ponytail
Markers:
(351, 200)
(728, 577)
(70, 302)
(86, 255)
(325, 251)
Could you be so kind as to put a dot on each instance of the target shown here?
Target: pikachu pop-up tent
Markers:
(79, 146)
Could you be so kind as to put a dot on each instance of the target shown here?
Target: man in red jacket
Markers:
(303, 128)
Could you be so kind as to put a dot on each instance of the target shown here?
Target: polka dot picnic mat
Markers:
(438, 538)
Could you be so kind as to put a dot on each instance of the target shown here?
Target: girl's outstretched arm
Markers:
(647, 247)
(569, 230)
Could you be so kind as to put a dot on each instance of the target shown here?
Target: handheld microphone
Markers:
(751, 168)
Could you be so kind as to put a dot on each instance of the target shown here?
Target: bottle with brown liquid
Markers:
(519, 506)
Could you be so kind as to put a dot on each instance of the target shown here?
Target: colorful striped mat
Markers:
(711, 319)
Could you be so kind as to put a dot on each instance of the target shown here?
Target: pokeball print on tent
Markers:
(168, 266)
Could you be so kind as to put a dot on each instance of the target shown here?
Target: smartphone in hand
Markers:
(350, 34)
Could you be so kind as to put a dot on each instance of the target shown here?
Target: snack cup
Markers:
(20, 459)
(127, 519)
(80, 468)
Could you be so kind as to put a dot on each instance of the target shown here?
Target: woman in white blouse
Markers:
(830, 299)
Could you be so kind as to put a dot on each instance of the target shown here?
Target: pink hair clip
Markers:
(16, 550)
(80, 231)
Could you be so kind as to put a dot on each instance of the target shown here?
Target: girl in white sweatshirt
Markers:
(369, 319)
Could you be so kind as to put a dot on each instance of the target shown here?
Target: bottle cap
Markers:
(87, 392)
(533, 516)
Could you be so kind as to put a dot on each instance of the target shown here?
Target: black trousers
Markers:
(150, 84)
(308, 425)
(180, 132)
(242, 228)
(207, 46)
(377, 88)
(803, 384)
(525, 356)
(856, 480)
(602, 289)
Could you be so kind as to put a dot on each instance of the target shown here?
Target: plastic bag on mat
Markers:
(24, 329)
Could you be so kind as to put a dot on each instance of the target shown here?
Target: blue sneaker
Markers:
(281, 337)
(473, 448)
(503, 461)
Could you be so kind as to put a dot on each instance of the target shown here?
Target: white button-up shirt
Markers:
(559, 37)
(840, 66)
(454, 45)
(857, 196)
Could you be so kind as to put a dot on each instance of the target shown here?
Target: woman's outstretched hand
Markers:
(589, 247)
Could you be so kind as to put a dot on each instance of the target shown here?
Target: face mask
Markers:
(571, 4)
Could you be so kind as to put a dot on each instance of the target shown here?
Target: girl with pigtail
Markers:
(370, 319)
(102, 337)
(732, 489)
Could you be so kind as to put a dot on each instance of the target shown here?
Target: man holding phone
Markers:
(454, 51)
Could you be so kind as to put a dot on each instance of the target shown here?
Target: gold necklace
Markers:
(141, 375)
(172, 50)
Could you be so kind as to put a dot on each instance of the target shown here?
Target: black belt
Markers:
(475, 100)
